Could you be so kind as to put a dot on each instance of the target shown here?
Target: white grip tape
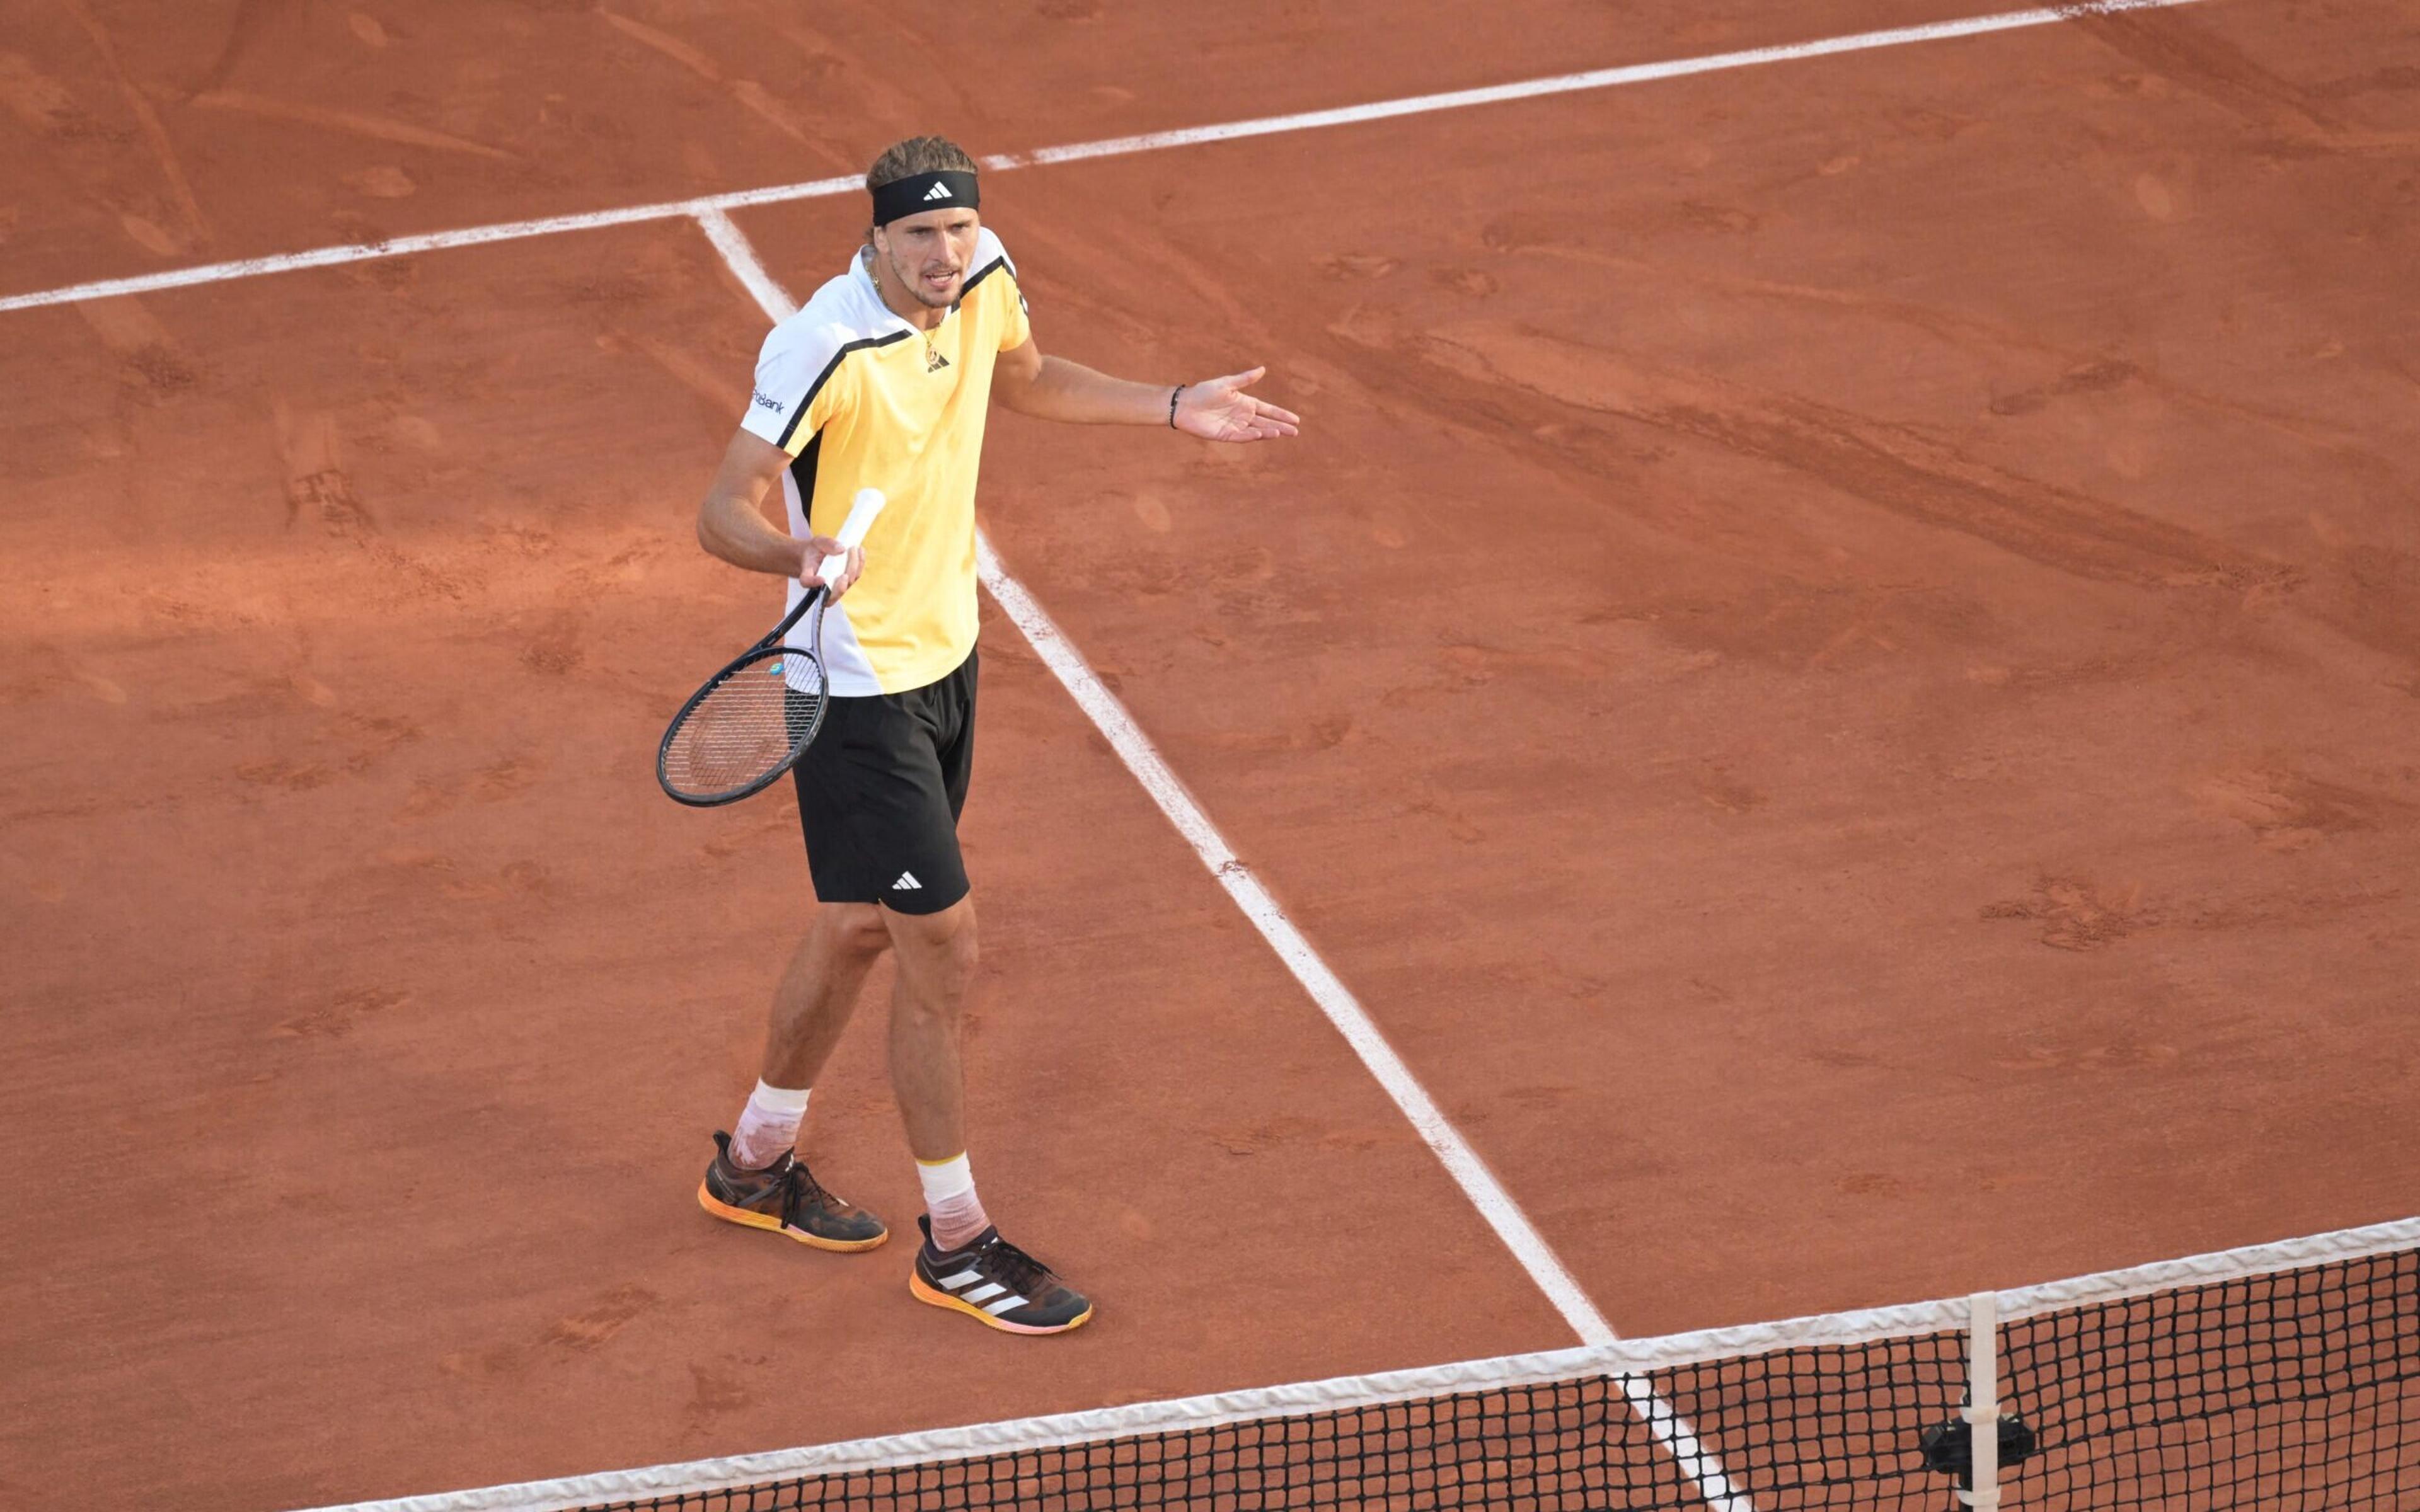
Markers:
(862, 510)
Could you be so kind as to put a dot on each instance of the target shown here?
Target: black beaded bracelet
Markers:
(1172, 402)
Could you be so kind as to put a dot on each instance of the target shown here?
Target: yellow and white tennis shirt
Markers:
(862, 400)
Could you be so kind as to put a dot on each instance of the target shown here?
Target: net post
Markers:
(1982, 1410)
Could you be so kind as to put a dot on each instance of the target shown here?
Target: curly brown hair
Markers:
(918, 154)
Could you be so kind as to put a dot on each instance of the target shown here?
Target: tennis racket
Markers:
(754, 719)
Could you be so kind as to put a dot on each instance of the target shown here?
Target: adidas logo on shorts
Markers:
(906, 883)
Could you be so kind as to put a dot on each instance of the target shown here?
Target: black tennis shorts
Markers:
(880, 791)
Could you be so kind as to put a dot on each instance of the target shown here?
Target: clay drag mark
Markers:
(378, 130)
(154, 134)
(2176, 46)
(1889, 466)
(155, 365)
(747, 91)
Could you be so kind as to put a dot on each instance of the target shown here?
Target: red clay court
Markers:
(1835, 670)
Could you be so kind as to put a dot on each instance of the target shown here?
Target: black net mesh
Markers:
(1813, 1427)
(2285, 1391)
(2288, 1390)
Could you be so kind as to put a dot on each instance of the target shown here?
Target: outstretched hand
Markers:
(1219, 410)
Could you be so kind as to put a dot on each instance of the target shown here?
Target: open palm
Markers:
(1219, 410)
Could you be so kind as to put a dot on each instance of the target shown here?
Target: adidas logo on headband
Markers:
(948, 189)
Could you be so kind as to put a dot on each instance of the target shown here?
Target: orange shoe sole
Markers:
(918, 1289)
(772, 1225)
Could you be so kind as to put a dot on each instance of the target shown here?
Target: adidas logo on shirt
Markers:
(938, 192)
(906, 883)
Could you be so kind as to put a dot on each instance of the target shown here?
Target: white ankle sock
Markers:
(950, 1198)
(768, 1126)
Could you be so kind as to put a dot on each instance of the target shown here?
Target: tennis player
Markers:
(883, 380)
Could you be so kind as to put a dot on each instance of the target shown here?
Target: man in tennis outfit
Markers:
(883, 380)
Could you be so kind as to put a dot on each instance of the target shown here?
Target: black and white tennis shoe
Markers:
(995, 1284)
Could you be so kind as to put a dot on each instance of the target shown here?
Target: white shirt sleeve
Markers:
(795, 383)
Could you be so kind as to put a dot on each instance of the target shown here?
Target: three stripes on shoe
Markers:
(969, 1285)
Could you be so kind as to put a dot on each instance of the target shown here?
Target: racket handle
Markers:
(862, 513)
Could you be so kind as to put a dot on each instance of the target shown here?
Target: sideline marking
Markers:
(1115, 147)
(1134, 749)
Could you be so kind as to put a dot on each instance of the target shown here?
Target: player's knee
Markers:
(964, 947)
(947, 938)
(854, 929)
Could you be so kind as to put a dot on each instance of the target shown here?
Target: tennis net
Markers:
(2278, 1377)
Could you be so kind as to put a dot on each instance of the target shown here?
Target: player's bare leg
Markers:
(936, 956)
(819, 989)
(963, 1265)
(756, 1178)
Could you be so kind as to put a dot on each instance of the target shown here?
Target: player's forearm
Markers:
(730, 528)
(1071, 392)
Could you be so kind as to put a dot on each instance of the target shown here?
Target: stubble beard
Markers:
(914, 285)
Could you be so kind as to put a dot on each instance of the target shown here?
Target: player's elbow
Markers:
(1011, 392)
(1016, 382)
(713, 534)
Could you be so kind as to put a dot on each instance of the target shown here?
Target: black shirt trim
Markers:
(825, 376)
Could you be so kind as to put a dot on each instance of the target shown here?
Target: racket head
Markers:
(747, 726)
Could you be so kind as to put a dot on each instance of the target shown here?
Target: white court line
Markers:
(740, 256)
(1109, 716)
(1115, 147)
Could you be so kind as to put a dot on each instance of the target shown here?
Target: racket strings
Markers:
(748, 724)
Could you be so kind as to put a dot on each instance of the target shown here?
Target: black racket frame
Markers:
(770, 643)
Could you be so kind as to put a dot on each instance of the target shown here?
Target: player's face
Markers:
(928, 253)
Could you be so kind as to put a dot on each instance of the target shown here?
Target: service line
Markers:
(718, 205)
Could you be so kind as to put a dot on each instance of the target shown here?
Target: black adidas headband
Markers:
(918, 192)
